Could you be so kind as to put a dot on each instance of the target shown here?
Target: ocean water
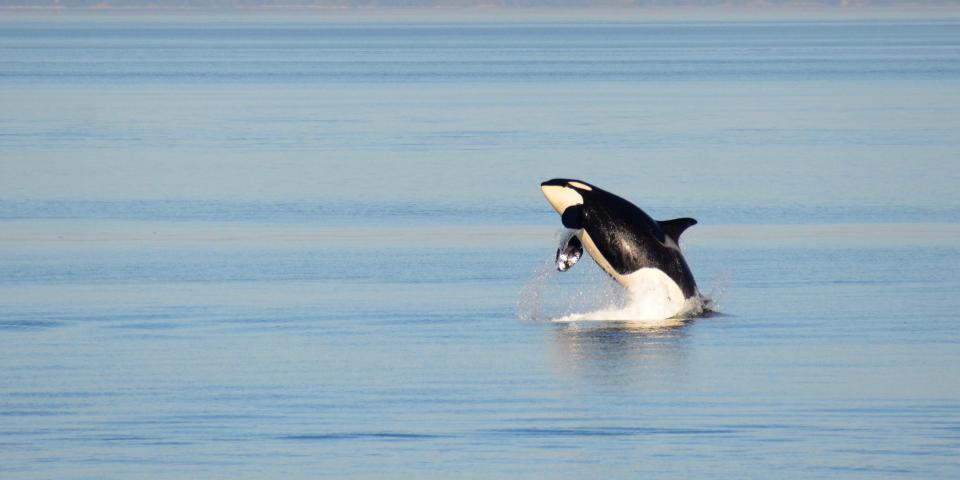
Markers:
(319, 250)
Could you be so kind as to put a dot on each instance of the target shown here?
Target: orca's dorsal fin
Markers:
(673, 228)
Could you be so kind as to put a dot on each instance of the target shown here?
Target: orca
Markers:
(631, 247)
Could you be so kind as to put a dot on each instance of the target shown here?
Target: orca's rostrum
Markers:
(634, 249)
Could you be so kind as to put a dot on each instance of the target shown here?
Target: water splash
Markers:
(647, 305)
(530, 303)
(598, 298)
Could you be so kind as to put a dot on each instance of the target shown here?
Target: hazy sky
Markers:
(478, 10)
(225, 4)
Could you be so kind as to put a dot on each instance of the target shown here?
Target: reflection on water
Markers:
(624, 353)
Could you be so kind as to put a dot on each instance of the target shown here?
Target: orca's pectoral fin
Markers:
(569, 253)
(673, 228)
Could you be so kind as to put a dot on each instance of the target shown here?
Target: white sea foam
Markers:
(647, 305)
(644, 305)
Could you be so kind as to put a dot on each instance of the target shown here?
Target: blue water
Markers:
(319, 250)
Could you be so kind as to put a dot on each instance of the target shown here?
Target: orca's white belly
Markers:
(657, 289)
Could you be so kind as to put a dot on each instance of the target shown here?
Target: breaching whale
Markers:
(634, 249)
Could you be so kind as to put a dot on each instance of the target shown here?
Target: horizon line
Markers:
(906, 11)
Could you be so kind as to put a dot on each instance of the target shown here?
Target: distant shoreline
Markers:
(484, 14)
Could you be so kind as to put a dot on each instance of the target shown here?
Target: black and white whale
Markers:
(634, 249)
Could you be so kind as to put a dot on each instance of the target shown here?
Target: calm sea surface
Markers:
(288, 250)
